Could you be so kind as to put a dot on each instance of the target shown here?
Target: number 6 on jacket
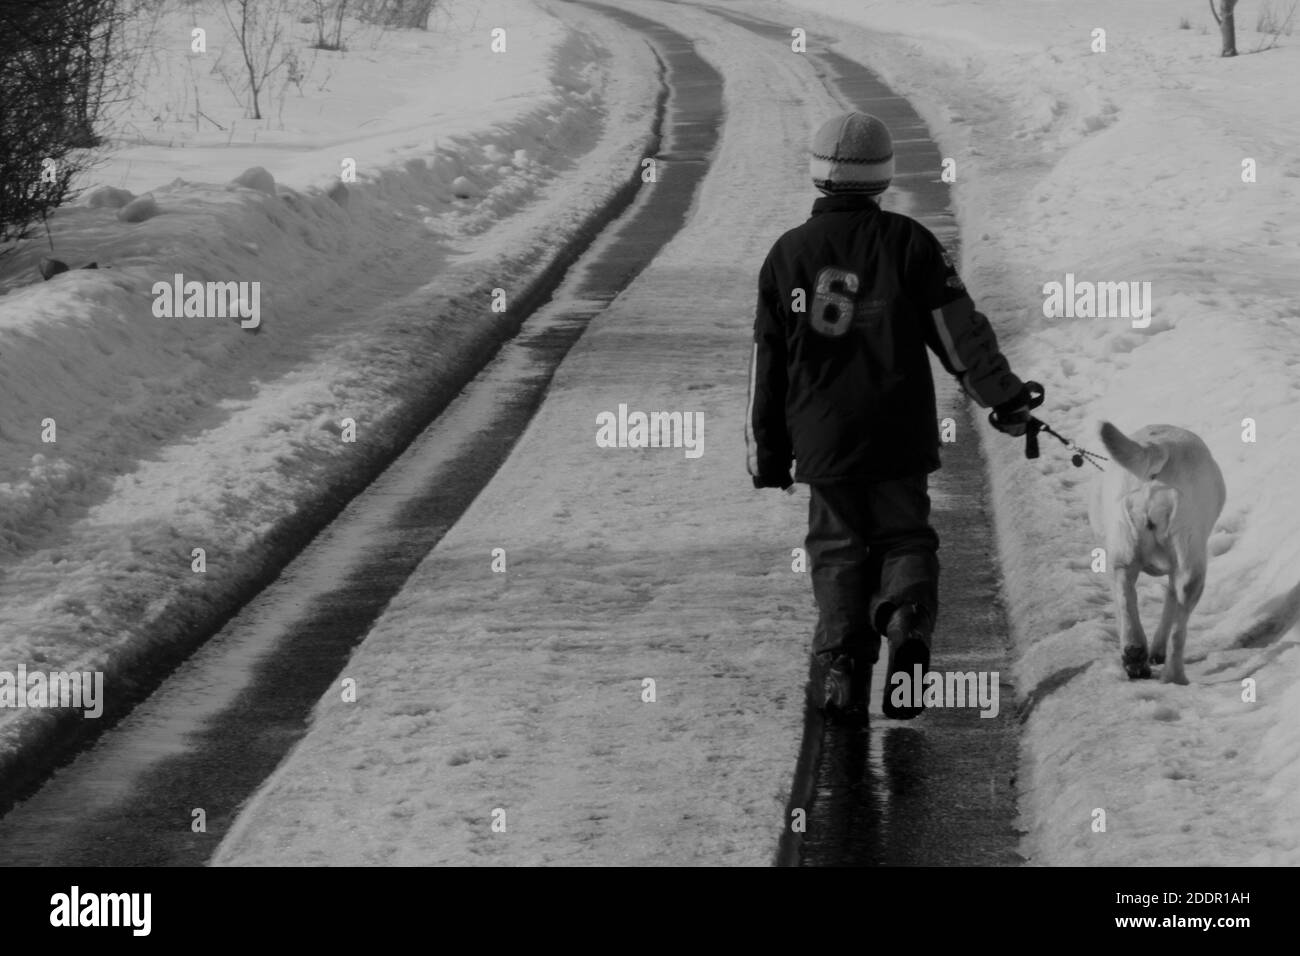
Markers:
(833, 298)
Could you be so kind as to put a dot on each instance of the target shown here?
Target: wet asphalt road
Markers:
(939, 790)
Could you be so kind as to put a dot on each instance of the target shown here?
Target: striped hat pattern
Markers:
(852, 153)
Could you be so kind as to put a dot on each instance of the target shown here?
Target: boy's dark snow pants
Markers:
(869, 544)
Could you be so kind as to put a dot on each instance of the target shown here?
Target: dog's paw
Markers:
(1169, 677)
(1156, 657)
(1135, 663)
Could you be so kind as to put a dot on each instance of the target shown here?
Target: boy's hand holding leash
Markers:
(1014, 418)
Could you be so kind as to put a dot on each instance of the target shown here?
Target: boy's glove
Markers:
(1013, 416)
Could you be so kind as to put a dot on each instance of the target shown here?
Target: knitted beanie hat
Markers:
(852, 153)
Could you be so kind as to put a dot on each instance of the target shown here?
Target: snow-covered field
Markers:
(1116, 166)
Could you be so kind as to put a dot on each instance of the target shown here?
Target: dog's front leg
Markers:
(1133, 639)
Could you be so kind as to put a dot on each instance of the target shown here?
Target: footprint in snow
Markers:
(1166, 713)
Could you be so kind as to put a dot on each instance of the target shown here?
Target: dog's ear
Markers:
(1157, 456)
(1161, 506)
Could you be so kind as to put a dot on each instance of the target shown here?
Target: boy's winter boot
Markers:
(843, 682)
(909, 645)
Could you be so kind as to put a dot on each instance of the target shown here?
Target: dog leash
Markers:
(1078, 455)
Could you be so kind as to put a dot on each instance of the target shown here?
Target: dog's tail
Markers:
(1145, 461)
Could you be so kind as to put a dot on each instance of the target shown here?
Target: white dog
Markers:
(1154, 513)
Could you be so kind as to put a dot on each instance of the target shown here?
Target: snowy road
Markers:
(633, 564)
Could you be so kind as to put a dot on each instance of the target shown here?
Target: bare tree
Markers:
(259, 30)
(328, 16)
(401, 14)
(1227, 25)
(1273, 24)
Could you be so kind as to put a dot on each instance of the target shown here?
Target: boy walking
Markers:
(840, 383)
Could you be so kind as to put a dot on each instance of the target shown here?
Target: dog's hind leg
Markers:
(1168, 616)
(1132, 638)
(1187, 587)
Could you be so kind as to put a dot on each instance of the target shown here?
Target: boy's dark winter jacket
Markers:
(839, 377)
